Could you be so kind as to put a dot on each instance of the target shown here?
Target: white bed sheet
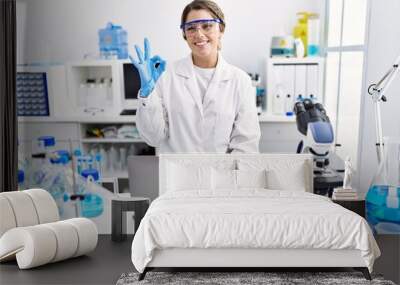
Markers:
(251, 218)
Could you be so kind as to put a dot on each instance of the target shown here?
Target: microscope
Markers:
(314, 124)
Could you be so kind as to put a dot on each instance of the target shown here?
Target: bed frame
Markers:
(245, 259)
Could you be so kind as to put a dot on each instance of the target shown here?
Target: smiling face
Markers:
(203, 39)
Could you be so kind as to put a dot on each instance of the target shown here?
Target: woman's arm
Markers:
(152, 118)
(245, 137)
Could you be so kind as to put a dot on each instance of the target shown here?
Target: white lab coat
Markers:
(174, 119)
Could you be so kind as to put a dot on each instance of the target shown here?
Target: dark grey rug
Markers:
(243, 278)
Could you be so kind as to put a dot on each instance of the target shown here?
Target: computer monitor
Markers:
(130, 89)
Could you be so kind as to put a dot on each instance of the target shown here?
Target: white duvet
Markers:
(252, 218)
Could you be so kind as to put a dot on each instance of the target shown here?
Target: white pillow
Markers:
(224, 179)
(278, 180)
(188, 177)
(282, 174)
(251, 178)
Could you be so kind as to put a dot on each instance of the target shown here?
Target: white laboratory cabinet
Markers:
(95, 87)
(293, 79)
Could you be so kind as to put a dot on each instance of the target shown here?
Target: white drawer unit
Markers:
(293, 79)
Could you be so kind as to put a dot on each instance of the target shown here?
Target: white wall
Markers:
(65, 30)
(383, 49)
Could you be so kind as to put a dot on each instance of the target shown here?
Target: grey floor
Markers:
(102, 266)
(111, 259)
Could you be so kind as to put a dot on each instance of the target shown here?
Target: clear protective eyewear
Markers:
(206, 26)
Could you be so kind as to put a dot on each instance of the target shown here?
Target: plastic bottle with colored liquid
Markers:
(313, 48)
(301, 30)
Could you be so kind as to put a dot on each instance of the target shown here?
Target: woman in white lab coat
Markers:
(200, 103)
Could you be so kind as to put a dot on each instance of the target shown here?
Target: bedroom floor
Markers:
(103, 266)
(111, 259)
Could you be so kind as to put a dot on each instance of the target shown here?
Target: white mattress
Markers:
(252, 218)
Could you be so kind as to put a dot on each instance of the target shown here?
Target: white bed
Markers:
(250, 210)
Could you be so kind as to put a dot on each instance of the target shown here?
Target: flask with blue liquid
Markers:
(92, 205)
(383, 197)
(113, 42)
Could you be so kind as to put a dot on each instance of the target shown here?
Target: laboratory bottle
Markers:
(113, 42)
(383, 197)
(46, 145)
(259, 100)
(58, 182)
(23, 163)
(300, 30)
(60, 154)
(89, 160)
(313, 35)
(299, 48)
(92, 205)
(76, 162)
(23, 166)
(21, 179)
(123, 158)
(278, 104)
(98, 163)
(104, 161)
(114, 159)
(289, 105)
(40, 172)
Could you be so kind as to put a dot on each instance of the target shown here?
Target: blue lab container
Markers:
(92, 206)
(383, 197)
(382, 207)
(91, 172)
(21, 176)
(285, 52)
(313, 50)
(21, 179)
(62, 156)
(47, 141)
(113, 42)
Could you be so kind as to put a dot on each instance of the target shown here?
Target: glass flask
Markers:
(383, 197)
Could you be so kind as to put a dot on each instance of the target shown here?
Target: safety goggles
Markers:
(206, 26)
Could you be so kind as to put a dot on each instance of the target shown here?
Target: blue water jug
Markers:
(113, 42)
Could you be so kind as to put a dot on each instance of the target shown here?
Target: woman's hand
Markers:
(149, 68)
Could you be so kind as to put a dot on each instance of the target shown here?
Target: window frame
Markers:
(340, 49)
